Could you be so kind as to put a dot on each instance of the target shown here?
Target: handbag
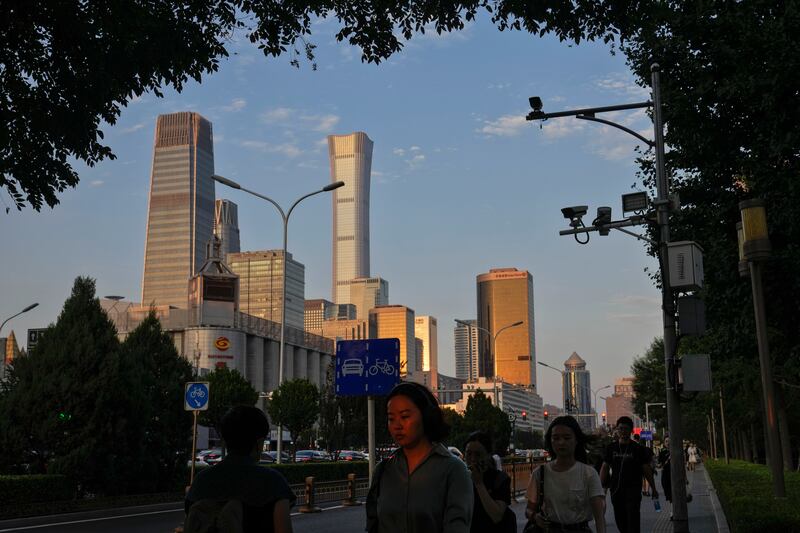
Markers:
(531, 526)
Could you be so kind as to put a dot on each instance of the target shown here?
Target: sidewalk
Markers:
(701, 509)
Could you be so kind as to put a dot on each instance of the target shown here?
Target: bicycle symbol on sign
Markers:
(381, 365)
(197, 393)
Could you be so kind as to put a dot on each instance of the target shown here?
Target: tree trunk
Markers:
(748, 452)
(783, 427)
(753, 442)
(735, 451)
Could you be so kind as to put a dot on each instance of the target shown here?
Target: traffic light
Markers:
(524, 415)
(64, 417)
(546, 415)
(604, 418)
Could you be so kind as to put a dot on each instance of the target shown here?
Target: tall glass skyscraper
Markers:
(351, 162)
(180, 214)
(466, 350)
(505, 296)
(577, 385)
(226, 227)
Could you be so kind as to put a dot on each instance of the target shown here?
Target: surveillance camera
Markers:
(576, 211)
(535, 103)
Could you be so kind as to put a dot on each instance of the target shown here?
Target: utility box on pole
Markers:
(685, 266)
(694, 374)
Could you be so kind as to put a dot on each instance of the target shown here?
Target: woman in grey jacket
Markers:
(422, 487)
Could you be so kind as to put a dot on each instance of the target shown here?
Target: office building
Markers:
(261, 285)
(577, 389)
(449, 389)
(226, 227)
(351, 162)
(366, 293)
(466, 348)
(397, 321)
(344, 329)
(180, 213)
(511, 399)
(426, 330)
(319, 310)
(505, 296)
(621, 402)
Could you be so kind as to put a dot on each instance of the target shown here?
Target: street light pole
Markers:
(14, 316)
(285, 217)
(584, 387)
(493, 344)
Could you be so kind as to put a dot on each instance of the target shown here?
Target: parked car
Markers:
(267, 458)
(286, 457)
(313, 456)
(211, 457)
(350, 455)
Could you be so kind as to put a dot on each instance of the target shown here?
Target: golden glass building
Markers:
(505, 296)
(351, 162)
(180, 213)
(397, 322)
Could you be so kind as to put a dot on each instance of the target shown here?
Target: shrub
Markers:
(35, 488)
(745, 491)
(335, 471)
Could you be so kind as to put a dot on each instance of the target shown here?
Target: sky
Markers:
(461, 183)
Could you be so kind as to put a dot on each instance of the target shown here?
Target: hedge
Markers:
(35, 488)
(745, 491)
(334, 471)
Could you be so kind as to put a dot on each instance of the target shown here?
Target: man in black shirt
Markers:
(628, 462)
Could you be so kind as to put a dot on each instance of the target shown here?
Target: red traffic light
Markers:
(524, 415)
(545, 415)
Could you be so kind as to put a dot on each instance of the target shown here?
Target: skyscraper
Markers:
(426, 330)
(466, 350)
(351, 162)
(397, 321)
(505, 296)
(180, 214)
(366, 293)
(577, 387)
(226, 227)
(261, 285)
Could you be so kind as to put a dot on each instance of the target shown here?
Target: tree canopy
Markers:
(227, 388)
(67, 67)
(295, 405)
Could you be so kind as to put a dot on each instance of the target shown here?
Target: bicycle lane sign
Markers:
(368, 367)
(196, 396)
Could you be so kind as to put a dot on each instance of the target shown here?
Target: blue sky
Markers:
(461, 183)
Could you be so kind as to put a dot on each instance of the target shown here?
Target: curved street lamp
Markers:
(14, 316)
(584, 387)
(285, 217)
(494, 341)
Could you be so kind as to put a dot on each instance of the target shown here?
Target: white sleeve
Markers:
(594, 488)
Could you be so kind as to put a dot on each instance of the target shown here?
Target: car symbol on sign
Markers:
(352, 366)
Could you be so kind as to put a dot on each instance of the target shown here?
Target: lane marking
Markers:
(39, 526)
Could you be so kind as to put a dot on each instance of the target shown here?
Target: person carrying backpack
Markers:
(237, 495)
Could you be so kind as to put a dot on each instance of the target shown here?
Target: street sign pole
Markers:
(371, 435)
(194, 447)
(195, 399)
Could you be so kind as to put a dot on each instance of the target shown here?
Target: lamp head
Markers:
(226, 181)
(30, 307)
(333, 186)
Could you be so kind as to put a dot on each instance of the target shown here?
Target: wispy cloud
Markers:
(622, 84)
(321, 122)
(562, 127)
(499, 86)
(315, 122)
(505, 126)
(277, 114)
(412, 156)
(237, 104)
(135, 127)
(96, 183)
(287, 149)
(399, 152)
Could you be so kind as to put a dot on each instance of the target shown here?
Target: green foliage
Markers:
(649, 386)
(166, 426)
(35, 488)
(480, 414)
(71, 406)
(69, 67)
(343, 419)
(227, 388)
(295, 406)
(745, 491)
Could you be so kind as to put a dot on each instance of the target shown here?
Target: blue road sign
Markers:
(646, 434)
(368, 367)
(196, 396)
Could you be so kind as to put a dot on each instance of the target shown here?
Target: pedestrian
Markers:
(666, 474)
(565, 494)
(421, 487)
(691, 451)
(624, 464)
(237, 494)
(491, 490)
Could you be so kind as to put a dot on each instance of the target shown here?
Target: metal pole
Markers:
(371, 435)
(714, 432)
(778, 487)
(283, 327)
(679, 510)
(194, 447)
(724, 435)
(469, 338)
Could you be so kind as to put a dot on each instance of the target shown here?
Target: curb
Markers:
(719, 513)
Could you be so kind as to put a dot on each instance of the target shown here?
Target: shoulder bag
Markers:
(531, 526)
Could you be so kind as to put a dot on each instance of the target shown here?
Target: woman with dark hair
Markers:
(491, 488)
(565, 494)
(422, 487)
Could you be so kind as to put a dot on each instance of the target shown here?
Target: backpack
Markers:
(215, 516)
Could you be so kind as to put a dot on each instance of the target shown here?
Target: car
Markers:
(350, 455)
(310, 456)
(285, 457)
(352, 366)
(267, 458)
(212, 456)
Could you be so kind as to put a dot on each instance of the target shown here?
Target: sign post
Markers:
(195, 399)
(367, 368)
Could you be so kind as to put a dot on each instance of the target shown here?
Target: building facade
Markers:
(426, 330)
(512, 399)
(621, 402)
(344, 329)
(366, 293)
(397, 321)
(351, 162)
(505, 296)
(577, 390)
(450, 389)
(180, 213)
(466, 349)
(261, 285)
(226, 227)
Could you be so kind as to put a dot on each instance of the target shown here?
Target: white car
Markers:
(352, 366)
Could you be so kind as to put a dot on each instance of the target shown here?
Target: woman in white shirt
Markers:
(565, 494)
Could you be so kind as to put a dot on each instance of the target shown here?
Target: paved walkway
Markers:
(704, 509)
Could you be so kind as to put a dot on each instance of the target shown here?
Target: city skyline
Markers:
(460, 184)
